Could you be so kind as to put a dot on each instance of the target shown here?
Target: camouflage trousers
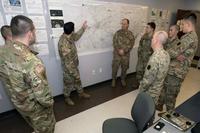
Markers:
(42, 120)
(140, 68)
(118, 61)
(72, 81)
(170, 92)
(154, 93)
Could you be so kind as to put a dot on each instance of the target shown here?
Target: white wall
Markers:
(191, 5)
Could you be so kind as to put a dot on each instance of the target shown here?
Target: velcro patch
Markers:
(40, 71)
(178, 43)
(149, 67)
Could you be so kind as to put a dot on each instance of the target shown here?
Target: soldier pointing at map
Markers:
(70, 62)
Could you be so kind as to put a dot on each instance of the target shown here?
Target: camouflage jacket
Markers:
(144, 49)
(123, 40)
(187, 47)
(24, 77)
(67, 49)
(171, 43)
(155, 71)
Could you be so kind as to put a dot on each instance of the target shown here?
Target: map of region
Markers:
(103, 19)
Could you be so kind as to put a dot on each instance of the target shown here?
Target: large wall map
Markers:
(103, 21)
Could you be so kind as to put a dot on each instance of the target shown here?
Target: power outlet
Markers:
(0, 96)
(93, 72)
(100, 70)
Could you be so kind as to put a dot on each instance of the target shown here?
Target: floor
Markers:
(88, 115)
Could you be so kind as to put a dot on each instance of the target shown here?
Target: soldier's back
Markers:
(14, 69)
(9, 65)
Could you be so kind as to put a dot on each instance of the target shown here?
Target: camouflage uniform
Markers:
(171, 43)
(69, 61)
(177, 69)
(144, 53)
(155, 73)
(24, 77)
(122, 40)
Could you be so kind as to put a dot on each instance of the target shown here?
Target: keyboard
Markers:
(177, 120)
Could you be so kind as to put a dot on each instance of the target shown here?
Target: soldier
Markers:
(181, 58)
(180, 24)
(69, 61)
(173, 38)
(144, 51)
(6, 33)
(123, 42)
(24, 77)
(157, 67)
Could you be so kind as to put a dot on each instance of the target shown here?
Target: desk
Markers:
(190, 108)
(167, 128)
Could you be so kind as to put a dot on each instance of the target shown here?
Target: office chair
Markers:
(143, 111)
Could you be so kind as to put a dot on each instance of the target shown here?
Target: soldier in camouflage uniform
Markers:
(157, 67)
(69, 61)
(181, 58)
(173, 38)
(144, 51)
(6, 33)
(123, 42)
(24, 77)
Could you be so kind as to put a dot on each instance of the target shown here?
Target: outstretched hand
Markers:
(85, 25)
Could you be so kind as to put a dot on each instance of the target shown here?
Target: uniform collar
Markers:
(189, 33)
(171, 40)
(126, 31)
(20, 46)
(67, 37)
(146, 36)
(159, 49)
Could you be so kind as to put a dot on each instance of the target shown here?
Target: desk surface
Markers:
(166, 129)
(190, 109)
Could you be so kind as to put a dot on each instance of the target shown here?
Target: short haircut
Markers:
(152, 25)
(162, 36)
(176, 27)
(68, 28)
(191, 17)
(6, 31)
(126, 20)
(20, 25)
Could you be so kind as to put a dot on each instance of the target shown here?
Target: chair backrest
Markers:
(143, 111)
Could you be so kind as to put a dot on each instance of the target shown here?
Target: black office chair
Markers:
(142, 112)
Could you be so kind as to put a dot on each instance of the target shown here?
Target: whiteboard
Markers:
(103, 21)
(1, 24)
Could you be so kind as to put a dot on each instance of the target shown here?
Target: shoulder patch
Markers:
(40, 71)
(148, 67)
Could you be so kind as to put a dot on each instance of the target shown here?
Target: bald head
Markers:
(159, 38)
